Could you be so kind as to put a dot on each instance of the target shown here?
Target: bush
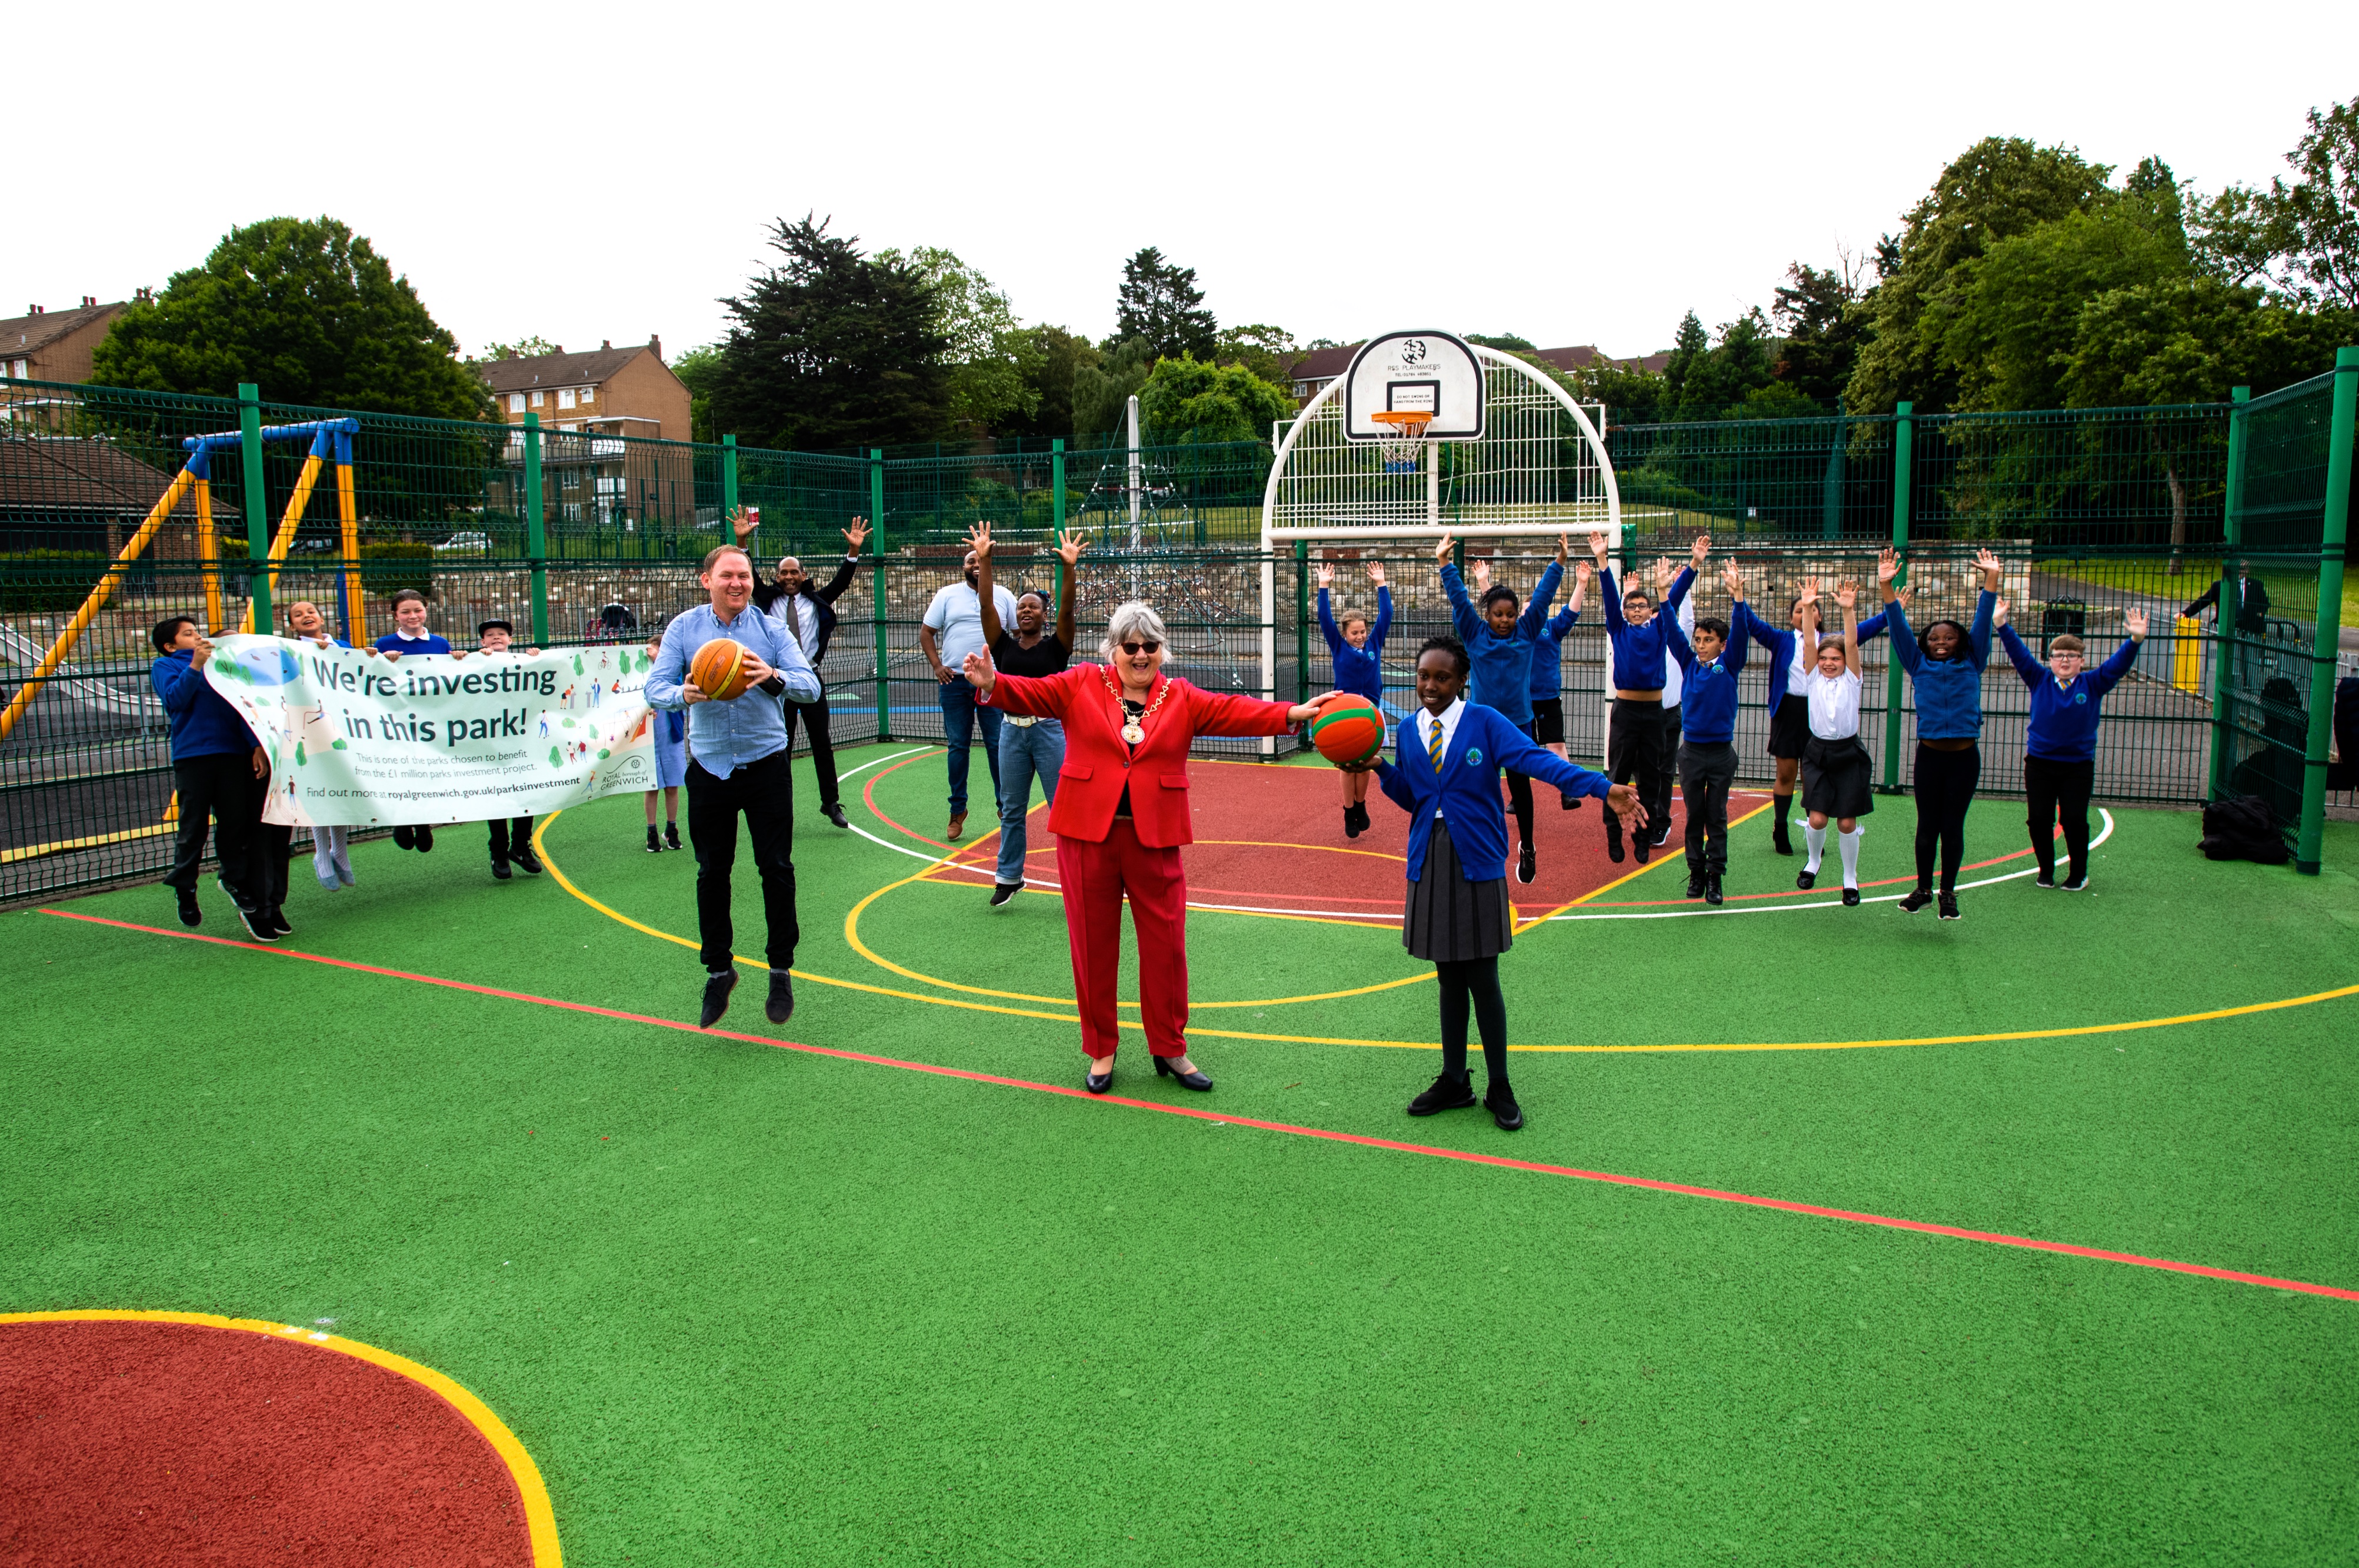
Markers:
(37, 581)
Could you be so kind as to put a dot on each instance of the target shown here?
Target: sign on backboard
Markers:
(1414, 373)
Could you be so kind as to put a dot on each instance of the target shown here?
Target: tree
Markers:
(1061, 356)
(2303, 238)
(1269, 351)
(832, 349)
(1632, 393)
(2193, 339)
(1102, 392)
(1999, 188)
(1708, 380)
(1690, 345)
(522, 349)
(1504, 341)
(306, 310)
(994, 361)
(1159, 301)
(696, 369)
(1819, 312)
(1211, 401)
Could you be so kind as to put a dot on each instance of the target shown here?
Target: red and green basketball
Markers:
(719, 668)
(1349, 730)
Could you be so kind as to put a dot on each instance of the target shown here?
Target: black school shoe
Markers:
(1949, 907)
(1527, 864)
(1643, 842)
(1567, 802)
(780, 1006)
(1712, 893)
(1805, 881)
(832, 811)
(1695, 887)
(190, 914)
(716, 997)
(1351, 822)
(525, 860)
(1447, 1093)
(1915, 901)
(1851, 898)
(1501, 1104)
(405, 837)
(1612, 837)
(499, 870)
(425, 840)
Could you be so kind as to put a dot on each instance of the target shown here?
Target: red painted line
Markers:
(1997, 1239)
(868, 798)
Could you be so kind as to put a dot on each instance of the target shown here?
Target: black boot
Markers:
(781, 1005)
(671, 835)
(499, 868)
(1712, 893)
(716, 997)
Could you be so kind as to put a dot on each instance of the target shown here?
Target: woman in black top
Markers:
(1027, 746)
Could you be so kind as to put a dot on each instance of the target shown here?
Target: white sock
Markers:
(1849, 844)
(1815, 840)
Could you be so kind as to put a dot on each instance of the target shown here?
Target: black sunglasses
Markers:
(1142, 647)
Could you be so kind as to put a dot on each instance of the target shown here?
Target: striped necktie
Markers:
(1433, 740)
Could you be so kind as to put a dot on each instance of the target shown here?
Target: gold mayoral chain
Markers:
(1133, 730)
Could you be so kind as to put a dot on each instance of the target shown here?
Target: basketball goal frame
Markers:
(1601, 515)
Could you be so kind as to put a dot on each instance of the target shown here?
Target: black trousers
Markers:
(222, 787)
(1945, 787)
(510, 837)
(1473, 984)
(273, 845)
(1706, 770)
(763, 792)
(2059, 789)
(1639, 749)
(814, 718)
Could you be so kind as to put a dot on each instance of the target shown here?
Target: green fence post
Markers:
(2223, 625)
(2329, 643)
(257, 506)
(1301, 619)
(536, 530)
(728, 482)
(876, 526)
(1057, 482)
(1904, 447)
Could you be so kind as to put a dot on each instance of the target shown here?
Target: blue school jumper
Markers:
(1466, 789)
(1502, 679)
(1359, 671)
(1548, 655)
(1949, 691)
(1707, 708)
(2064, 717)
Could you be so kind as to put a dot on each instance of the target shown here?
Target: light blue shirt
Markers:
(725, 735)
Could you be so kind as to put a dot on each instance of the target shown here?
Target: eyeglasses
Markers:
(1149, 647)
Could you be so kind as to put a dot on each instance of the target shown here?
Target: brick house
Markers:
(55, 345)
(1319, 366)
(586, 402)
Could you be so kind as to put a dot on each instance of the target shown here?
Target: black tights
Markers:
(1473, 981)
(1945, 787)
(1519, 800)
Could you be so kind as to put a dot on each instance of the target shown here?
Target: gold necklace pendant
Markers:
(1133, 733)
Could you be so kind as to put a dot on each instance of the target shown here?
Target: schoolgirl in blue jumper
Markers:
(1637, 733)
(1710, 666)
(1457, 917)
(1499, 641)
(2059, 753)
(1357, 649)
(1789, 711)
(1947, 670)
(1548, 664)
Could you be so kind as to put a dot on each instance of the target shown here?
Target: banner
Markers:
(357, 741)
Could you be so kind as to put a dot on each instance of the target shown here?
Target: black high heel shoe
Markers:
(1197, 1081)
(1097, 1083)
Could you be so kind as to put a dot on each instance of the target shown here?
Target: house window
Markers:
(565, 397)
(535, 400)
(589, 395)
(20, 369)
(516, 402)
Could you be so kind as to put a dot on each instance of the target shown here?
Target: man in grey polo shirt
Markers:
(951, 629)
(738, 762)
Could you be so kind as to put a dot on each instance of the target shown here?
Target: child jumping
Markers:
(1548, 667)
(1636, 735)
(1790, 711)
(1498, 643)
(1457, 916)
(1948, 673)
(1357, 648)
(1709, 665)
(511, 838)
(2060, 760)
(1836, 772)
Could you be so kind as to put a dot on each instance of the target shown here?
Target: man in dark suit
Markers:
(808, 609)
(2243, 604)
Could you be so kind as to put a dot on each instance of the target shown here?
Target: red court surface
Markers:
(1271, 838)
(154, 1442)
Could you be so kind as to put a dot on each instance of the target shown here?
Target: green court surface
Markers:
(746, 1304)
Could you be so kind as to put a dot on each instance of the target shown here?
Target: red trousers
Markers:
(1095, 878)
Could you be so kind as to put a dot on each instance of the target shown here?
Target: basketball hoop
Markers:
(1408, 439)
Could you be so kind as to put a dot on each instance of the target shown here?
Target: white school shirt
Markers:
(1835, 704)
(1428, 721)
(956, 616)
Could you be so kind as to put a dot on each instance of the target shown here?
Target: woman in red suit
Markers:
(1120, 817)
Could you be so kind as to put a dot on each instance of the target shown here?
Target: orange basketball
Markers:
(719, 668)
(1348, 729)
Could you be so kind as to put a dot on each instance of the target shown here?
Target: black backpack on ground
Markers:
(2244, 829)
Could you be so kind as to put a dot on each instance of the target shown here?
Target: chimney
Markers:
(32, 309)
(605, 342)
(655, 345)
(88, 300)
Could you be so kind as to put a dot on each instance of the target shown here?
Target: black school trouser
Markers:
(763, 792)
(814, 717)
(1638, 749)
(511, 836)
(1706, 770)
(2056, 789)
(1945, 787)
(222, 786)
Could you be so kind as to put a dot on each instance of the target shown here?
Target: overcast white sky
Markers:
(1576, 174)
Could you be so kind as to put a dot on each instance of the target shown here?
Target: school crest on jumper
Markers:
(1474, 756)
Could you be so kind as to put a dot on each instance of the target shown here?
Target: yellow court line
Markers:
(2129, 1027)
(541, 1520)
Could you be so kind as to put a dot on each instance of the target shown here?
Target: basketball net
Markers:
(1408, 439)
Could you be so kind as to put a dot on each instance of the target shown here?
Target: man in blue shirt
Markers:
(738, 762)
(1708, 749)
(217, 771)
(1637, 735)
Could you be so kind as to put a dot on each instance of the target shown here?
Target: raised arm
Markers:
(1069, 558)
(1678, 589)
(1896, 614)
(2109, 674)
(978, 539)
(1809, 630)
(1536, 612)
(1733, 653)
(1383, 609)
(1327, 627)
(1676, 641)
(1462, 618)
(2025, 666)
(1847, 596)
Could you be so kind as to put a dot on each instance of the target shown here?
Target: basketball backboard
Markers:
(1414, 373)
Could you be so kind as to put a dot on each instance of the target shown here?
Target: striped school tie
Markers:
(1433, 744)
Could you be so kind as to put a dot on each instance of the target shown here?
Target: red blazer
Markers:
(1098, 762)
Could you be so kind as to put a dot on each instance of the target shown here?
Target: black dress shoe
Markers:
(1351, 822)
(1851, 898)
(1501, 1104)
(1002, 891)
(716, 997)
(1567, 802)
(781, 1005)
(500, 871)
(1695, 887)
(1613, 838)
(1915, 901)
(1097, 1083)
(833, 811)
(1643, 844)
(1446, 1094)
(1527, 864)
(425, 840)
(1197, 1081)
(190, 914)
(1805, 881)
(525, 860)
(405, 837)
(1712, 893)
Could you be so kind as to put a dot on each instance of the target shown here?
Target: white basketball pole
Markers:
(1134, 470)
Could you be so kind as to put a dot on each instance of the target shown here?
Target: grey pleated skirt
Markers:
(1449, 919)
